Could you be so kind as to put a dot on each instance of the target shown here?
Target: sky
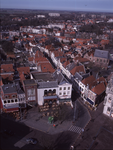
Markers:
(73, 5)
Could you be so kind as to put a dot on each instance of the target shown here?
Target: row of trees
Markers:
(91, 29)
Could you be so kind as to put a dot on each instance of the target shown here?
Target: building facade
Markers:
(108, 101)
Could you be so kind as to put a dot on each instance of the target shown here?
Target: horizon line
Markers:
(60, 10)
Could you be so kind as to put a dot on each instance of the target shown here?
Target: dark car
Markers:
(31, 141)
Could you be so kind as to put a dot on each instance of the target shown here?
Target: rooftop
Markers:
(48, 84)
(9, 88)
(29, 82)
(45, 76)
(101, 54)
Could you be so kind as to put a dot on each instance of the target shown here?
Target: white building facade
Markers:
(108, 101)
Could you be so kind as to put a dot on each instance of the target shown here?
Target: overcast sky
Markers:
(74, 5)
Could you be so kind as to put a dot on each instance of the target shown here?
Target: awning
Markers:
(90, 101)
(50, 97)
(65, 100)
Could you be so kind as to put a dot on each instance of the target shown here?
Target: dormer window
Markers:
(13, 96)
(6, 96)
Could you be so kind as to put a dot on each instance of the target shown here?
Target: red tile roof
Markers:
(8, 76)
(89, 80)
(77, 69)
(46, 67)
(40, 59)
(7, 68)
(80, 59)
(30, 58)
(38, 54)
(66, 63)
(1, 83)
(102, 79)
(99, 89)
(22, 77)
(25, 70)
(11, 55)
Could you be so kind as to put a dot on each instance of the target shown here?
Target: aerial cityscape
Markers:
(56, 75)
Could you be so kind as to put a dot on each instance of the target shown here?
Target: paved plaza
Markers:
(35, 121)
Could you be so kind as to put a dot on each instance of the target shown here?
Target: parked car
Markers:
(31, 141)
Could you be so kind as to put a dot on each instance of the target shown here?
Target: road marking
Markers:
(75, 129)
(21, 143)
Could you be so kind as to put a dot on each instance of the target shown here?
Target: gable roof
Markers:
(8, 76)
(24, 70)
(80, 59)
(59, 76)
(99, 89)
(77, 76)
(101, 54)
(77, 69)
(88, 81)
(46, 67)
(7, 68)
(102, 79)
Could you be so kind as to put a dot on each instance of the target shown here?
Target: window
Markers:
(12, 101)
(60, 93)
(68, 92)
(15, 100)
(6, 96)
(45, 92)
(64, 88)
(13, 96)
(68, 88)
(64, 93)
(5, 102)
(108, 110)
(109, 100)
(100, 60)
(97, 59)
(50, 92)
(32, 91)
(60, 88)
(8, 101)
(54, 91)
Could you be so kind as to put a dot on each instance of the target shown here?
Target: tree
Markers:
(64, 113)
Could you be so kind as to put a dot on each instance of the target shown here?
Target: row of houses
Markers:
(41, 88)
(92, 90)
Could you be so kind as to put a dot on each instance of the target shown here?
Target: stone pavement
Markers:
(33, 120)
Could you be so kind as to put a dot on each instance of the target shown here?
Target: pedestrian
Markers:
(54, 125)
